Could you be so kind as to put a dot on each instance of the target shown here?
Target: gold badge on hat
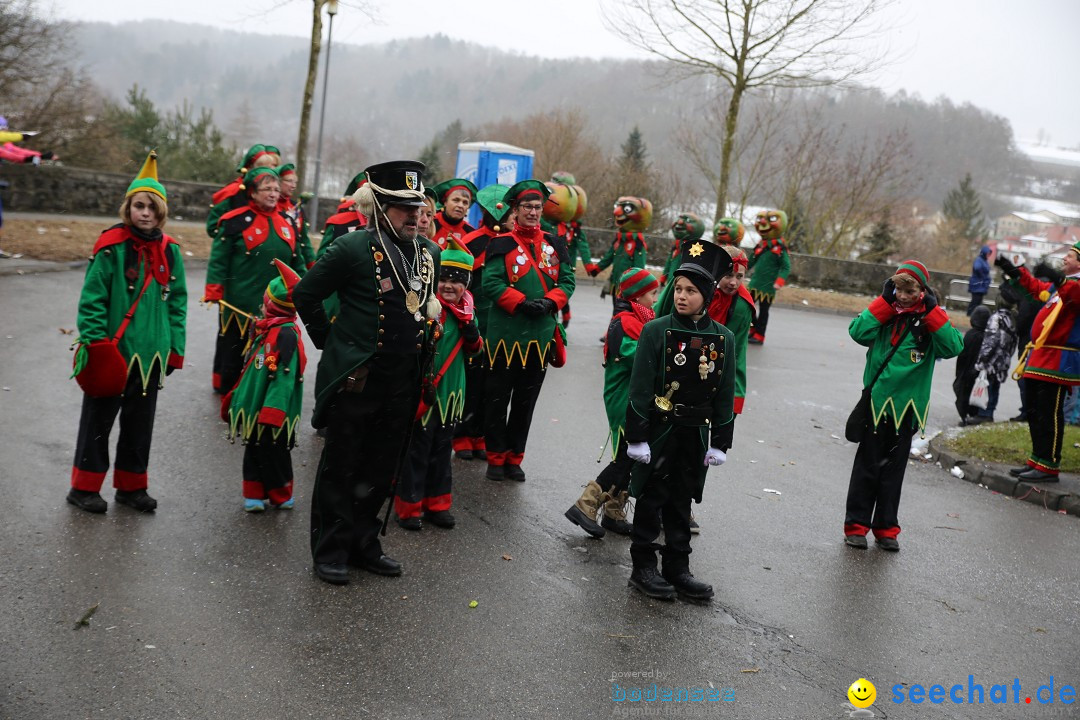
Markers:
(411, 179)
(696, 249)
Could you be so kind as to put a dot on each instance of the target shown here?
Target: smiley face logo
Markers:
(862, 693)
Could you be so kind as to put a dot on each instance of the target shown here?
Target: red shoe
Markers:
(755, 338)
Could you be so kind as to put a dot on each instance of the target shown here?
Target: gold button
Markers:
(378, 344)
(381, 331)
(382, 317)
(380, 302)
(668, 368)
(669, 351)
(417, 346)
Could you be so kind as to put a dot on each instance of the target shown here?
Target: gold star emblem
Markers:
(696, 249)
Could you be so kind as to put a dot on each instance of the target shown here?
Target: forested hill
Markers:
(392, 99)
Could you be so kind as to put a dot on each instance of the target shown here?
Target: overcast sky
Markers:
(1017, 58)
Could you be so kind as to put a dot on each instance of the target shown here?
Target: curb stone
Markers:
(977, 471)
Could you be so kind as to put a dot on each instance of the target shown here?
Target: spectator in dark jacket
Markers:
(965, 365)
(995, 355)
(979, 282)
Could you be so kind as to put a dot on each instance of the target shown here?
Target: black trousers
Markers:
(762, 320)
(516, 387)
(664, 504)
(426, 481)
(976, 301)
(228, 357)
(268, 470)
(365, 437)
(877, 477)
(617, 472)
(471, 426)
(136, 412)
(1045, 404)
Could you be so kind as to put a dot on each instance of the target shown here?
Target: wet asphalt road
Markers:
(205, 612)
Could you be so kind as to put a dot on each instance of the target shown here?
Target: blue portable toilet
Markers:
(487, 163)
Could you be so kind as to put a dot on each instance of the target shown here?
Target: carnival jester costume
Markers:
(136, 271)
(770, 264)
(628, 248)
(264, 409)
(1051, 364)
(904, 341)
(242, 256)
(451, 231)
(637, 293)
(469, 443)
(232, 195)
(528, 277)
(425, 484)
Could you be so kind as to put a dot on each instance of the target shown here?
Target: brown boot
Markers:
(583, 512)
(615, 514)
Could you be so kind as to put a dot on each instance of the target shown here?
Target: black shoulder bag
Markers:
(858, 422)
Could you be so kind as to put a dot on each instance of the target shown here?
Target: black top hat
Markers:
(398, 175)
(705, 260)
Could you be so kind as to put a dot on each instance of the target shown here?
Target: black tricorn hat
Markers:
(398, 176)
(704, 264)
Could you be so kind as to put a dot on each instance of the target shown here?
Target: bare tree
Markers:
(750, 44)
(317, 7)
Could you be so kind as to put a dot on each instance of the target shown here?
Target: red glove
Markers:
(592, 269)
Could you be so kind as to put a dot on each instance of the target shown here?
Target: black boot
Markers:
(688, 585)
(648, 581)
(138, 499)
(87, 500)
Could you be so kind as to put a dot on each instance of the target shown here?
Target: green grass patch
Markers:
(1009, 443)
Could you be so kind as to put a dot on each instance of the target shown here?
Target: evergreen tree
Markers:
(881, 242)
(634, 155)
(432, 162)
(189, 147)
(962, 205)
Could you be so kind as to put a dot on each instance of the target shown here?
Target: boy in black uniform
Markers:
(682, 394)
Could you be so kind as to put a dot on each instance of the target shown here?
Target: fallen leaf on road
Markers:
(85, 619)
(950, 607)
(473, 604)
(1040, 630)
(946, 527)
(751, 670)
(770, 490)
(66, 331)
(507, 557)
(953, 514)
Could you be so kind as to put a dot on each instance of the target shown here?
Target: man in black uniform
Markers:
(374, 356)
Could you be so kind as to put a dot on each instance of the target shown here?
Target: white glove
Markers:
(639, 452)
(715, 457)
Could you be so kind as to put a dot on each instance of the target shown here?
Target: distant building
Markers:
(1024, 223)
(1053, 242)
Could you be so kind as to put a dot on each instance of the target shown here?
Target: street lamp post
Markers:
(331, 10)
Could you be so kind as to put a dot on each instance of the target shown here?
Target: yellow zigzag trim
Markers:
(921, 417)
(760, 295)
(241, 322)
(449, 412)
(516, 350)
(248, 423)
(145, 368)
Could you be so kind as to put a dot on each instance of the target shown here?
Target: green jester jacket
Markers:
(348, 269)
(242, 260)
(157, 331)
(269, 395)
(905, 382)
(526, 264)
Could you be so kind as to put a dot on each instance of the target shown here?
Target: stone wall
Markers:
(80, 191)
(848, 276)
